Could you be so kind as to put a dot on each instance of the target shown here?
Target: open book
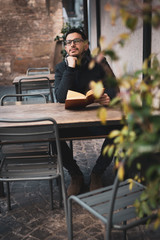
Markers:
(78, 100)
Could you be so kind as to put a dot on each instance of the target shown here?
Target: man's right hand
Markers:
(72, 61)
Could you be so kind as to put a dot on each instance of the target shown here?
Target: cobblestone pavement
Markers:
(32, 219)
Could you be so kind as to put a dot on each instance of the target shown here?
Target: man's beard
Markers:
(72, 54)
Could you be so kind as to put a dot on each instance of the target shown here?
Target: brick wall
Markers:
(27, 35)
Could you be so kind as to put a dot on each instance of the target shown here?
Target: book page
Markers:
(90, 92)
(75, 95)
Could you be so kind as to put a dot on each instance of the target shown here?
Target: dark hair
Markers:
(77, 30)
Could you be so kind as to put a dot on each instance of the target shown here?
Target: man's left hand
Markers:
(104, 100)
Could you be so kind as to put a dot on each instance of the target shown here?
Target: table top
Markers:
(51, 77)
(64, 118)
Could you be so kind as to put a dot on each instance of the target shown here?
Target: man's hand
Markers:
(104, 100)
(72, 61)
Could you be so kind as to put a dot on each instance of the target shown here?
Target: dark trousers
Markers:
(102, 162)
(70, 164)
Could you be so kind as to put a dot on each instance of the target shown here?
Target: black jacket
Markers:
(78, 78)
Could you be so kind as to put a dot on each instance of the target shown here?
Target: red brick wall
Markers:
(27, 35)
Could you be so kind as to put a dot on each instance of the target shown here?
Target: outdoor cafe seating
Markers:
(25, 149)
(113, 206)
(15, 99)
(22, 99)
(37, 71)
(36, 85)
(31, 166)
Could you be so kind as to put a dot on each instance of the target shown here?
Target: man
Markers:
(73, 74)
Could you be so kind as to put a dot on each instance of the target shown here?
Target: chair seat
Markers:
(41, 148)
(29, 168)
(98, 203)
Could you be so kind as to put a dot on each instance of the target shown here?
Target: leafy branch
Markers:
(138, 140)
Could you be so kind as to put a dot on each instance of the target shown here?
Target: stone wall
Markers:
(27, 35)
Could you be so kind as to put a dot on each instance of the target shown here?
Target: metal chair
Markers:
(31, 167)
(26, 148)
(11, 99)
(113, 205)
(36, 85)
(18, 99)
(38, 71)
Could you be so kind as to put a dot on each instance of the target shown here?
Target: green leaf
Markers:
(114, 133)
(146, 208)
(144, 196)
(131, 23)
(102, 114)
(110, 150)
(138, 165)
(156, 20)
(105, 150)
(117, 140)
(155, 63)
(121, 173)
(111, 54)
(114, 101)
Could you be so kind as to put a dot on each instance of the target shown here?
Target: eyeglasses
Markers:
(76, 41)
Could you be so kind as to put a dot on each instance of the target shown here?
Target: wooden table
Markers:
(51, 77)
(73, 124)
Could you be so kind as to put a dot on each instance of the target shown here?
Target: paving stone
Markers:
(31, 217)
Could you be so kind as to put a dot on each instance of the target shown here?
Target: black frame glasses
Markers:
(75, 41)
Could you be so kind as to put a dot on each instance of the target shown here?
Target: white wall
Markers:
(156, 36)
(92, 25)
(130, 56)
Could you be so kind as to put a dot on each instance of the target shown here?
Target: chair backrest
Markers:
(38, 84)
(121, 188)
(38, 71)
(19, 99)
(29, 130)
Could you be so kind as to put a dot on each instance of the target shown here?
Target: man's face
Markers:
(77, 47)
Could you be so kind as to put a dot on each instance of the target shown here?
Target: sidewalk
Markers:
(32, 219)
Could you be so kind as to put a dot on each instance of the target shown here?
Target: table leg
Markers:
(2, 189)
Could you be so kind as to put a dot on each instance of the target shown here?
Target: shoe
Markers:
(96, 181)
(75, 185)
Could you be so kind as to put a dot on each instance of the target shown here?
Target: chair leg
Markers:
(8, 196)
(60, 191)
(124, 235)
(107, 233)
(71, 146)
(124, 231)
(47, 98)
(70, 221)
(2, 194)
(51, 193)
